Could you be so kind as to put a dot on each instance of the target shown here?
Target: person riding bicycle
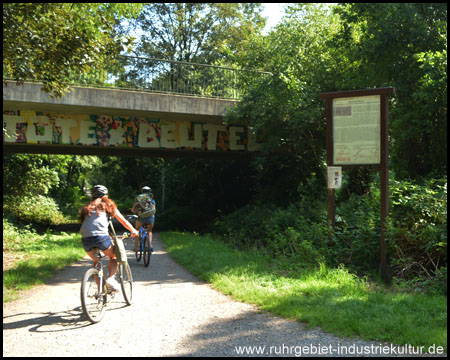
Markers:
(145, 207)
(95, 218)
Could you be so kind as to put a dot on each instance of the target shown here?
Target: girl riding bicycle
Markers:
(94, 230)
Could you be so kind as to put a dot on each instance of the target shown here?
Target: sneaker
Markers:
(113, 284)
(151, 250)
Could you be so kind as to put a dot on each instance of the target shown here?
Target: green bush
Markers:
(182, 218)
(246, 227)
(357, 234)
(33, 209)
(13, 234)
(416, 234)
(417, 231)
(276, 232)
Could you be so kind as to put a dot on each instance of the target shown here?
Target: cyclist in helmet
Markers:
(145, 207)
(94, 229)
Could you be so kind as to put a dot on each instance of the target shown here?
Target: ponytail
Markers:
(101, 204)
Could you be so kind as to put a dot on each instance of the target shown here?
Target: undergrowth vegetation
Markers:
(33, 209)
(30, 258)
(417, 233)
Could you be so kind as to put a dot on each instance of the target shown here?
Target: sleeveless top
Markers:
(95, 225)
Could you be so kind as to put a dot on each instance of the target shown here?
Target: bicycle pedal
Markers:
(111, 289)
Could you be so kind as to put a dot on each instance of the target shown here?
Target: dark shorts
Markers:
(147, 221)
(103, 242)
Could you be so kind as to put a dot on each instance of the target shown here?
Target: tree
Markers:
(50, 42)
(28, 175)
(196, 32)
(286, 109)
(403, 45)
(59, 176)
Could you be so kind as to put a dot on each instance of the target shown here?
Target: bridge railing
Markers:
(174, 77)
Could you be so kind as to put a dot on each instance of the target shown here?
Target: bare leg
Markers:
(150, 236)
(136, 238)
(112, 264)
(94, 259)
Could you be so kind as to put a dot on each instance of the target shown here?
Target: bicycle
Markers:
(94, 292)
(144, 244)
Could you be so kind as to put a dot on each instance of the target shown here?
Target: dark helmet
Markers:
(98, 191)
(147, 190)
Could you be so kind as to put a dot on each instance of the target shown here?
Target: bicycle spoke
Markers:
(93, 301)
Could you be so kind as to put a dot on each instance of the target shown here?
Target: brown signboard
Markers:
(357, 134)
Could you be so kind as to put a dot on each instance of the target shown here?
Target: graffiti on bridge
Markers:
(32, 127)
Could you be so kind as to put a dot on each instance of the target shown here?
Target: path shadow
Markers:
(249, 334)
(58, 321)
(66, 320)
(253, 334)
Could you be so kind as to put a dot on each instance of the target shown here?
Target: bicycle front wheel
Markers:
(126, 282)
(147, 252)
(93, 300)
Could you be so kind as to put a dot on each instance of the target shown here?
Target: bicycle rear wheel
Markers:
(147, 252)
(93, 301)
(139, 249)
(126, 282)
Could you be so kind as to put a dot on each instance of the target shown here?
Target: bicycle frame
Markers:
(94, 304)
(142, 234)
(141, 247)
(102, 289)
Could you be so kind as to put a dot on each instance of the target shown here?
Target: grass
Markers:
(334, 299)
(30, 259)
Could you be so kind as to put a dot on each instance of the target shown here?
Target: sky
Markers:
(273, 12)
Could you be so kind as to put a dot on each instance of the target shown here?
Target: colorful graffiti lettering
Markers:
(105, 130)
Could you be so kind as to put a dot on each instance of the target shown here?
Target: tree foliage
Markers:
(196, 32)
(51, 41)
(404, 45)
(285, 110)
(25, 175)
(345, 47)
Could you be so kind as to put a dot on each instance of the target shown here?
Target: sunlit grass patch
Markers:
(35, 258)
(332, 298)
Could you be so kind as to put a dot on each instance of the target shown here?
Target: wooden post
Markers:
(331, 218)
(331, 214)
(384, 186)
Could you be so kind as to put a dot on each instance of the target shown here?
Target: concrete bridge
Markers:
(112, 121)
(119, 122)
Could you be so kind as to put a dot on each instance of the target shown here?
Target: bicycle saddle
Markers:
(97, 252)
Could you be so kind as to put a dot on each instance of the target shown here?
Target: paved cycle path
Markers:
(173, 314)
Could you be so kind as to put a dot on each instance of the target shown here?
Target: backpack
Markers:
(146, 207)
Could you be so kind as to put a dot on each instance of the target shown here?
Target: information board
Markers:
(357, 134)
(356, 130)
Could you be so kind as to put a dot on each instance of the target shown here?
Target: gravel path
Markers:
(173, 314)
